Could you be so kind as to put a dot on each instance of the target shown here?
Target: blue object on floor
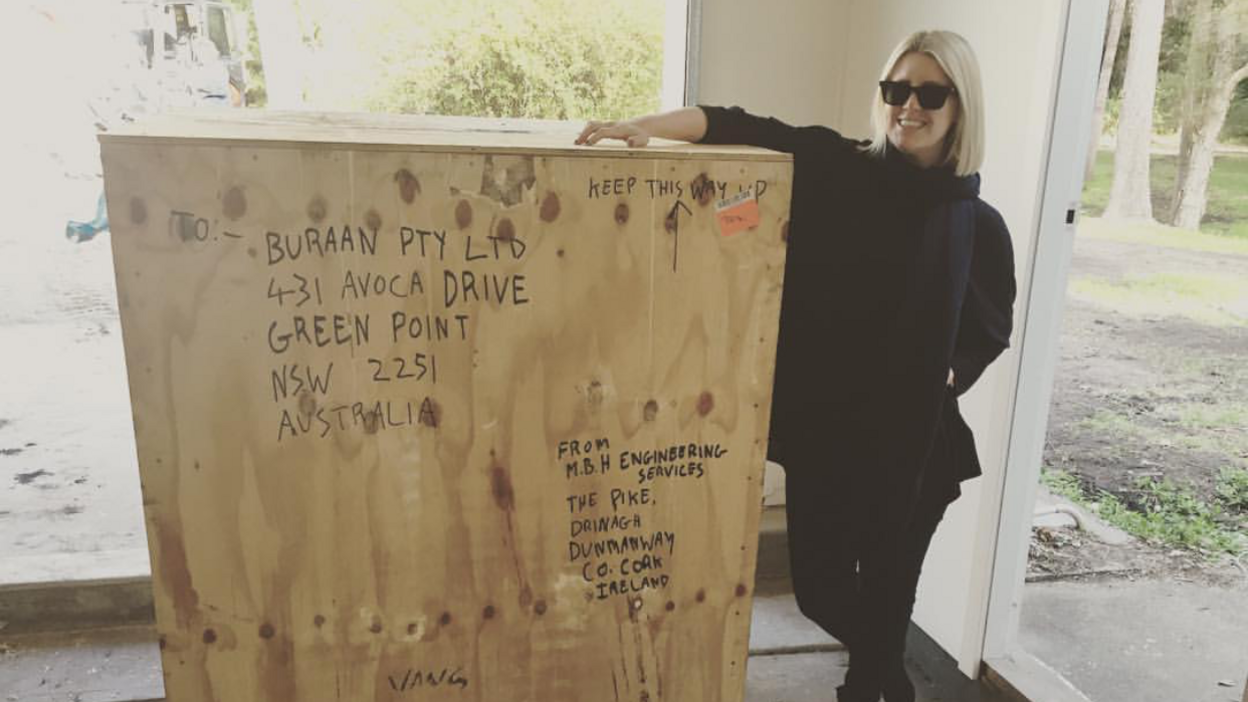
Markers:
(79, 232)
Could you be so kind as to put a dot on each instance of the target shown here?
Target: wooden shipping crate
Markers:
(446, 409)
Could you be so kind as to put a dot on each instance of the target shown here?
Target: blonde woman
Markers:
(899, 289)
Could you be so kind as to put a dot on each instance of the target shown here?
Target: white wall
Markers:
(816, 61)
(783, 59)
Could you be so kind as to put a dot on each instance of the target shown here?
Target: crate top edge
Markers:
(363, 131)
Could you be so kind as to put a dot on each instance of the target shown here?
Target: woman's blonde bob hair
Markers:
(964, 145)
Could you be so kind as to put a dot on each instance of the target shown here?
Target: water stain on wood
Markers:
(234, 203)
(175, 571)
(463, 214)
(372, 421)
(594, 394)
(185, 228)
(550, 207)
(500, 485)
(409, 185)
(430, 413)
(706, 403)
(307, 403)
(317, 209)
(505, 231)
(138, 211)
(704, 188)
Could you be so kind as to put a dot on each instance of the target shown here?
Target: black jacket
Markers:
(862, 357)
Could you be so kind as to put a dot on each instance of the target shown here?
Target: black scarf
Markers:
(921, 339)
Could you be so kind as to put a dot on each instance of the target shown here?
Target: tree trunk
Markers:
(1198, 83)
(1210, 83)
(1191, 200)
(1113, 32)
(1129, 196)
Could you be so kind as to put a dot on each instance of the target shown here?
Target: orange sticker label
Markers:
(737, 213)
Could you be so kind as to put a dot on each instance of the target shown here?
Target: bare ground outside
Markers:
(1151, 389)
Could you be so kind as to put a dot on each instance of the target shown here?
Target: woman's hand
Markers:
(629, 132)
(684, 124)
(949, 382)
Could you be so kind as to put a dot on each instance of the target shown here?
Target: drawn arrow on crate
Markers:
(672, 224)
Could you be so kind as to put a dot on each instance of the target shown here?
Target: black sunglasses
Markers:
(931, 97)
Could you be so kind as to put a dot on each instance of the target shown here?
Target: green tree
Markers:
(256, 95)
(551, 59)
(1236, 128)
(1217, 62)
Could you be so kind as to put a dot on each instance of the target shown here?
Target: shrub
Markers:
(551, 59)
(1232, 489)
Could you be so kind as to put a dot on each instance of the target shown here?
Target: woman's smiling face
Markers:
(912, 130)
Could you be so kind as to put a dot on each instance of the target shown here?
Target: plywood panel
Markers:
(451, 424)
(389, 132)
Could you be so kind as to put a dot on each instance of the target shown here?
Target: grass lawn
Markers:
(1153, 234)
(1214, 297)
(1210, 299)
(1227, 211)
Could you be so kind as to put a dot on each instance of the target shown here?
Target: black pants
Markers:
(854, 574)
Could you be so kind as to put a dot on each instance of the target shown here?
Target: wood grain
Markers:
(344, 537)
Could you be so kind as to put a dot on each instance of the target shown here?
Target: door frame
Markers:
(1069, 135)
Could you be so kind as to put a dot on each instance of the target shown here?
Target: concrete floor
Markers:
(1141, 641)
(791, 661)
(69, 483)
(106, 665)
